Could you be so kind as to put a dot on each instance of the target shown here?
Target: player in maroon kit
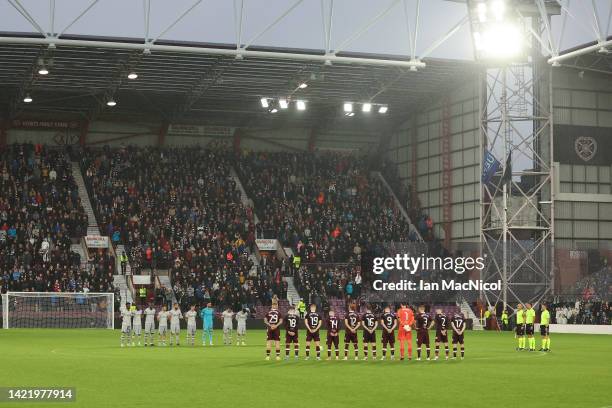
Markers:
(442, 322)
(458, 325)
(313, 324)
(388, 321)
(291, 333)
(333, 330)
(370, 323)
(351, 324)
(273, 320)
(423, 324)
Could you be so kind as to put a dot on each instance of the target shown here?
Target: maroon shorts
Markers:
(350, 337)
(274, 335)
(292, 338)
(333, 340)
(422, 337)
(312, 336)
(457, 338)
(369, 337)
(441, 338)
(388, 338)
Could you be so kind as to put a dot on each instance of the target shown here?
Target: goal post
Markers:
(59, 310)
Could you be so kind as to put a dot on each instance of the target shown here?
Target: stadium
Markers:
(334, 203)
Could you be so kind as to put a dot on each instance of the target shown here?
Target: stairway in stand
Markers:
(292, 294)
(92, 224)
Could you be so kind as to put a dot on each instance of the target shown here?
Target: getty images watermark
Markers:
(417, 271)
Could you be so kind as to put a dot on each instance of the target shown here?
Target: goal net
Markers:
(57, 310)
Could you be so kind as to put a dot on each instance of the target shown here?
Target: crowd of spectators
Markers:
(322, 281)
(40, 213)
(582, 312)
(179, 209)
(322, 205)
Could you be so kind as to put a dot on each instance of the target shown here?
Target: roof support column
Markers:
(312, 140)
(3, 134)
(161, 136)
(84, 132)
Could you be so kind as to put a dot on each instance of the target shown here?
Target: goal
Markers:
(65, 310)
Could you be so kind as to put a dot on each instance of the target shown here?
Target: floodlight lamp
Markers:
(273, 110)
(283, 103)
(111, 102)
(348, 107)
(132, 75)
(264, 102)
(27, 98)
(366, 107)
(383, 109)
(43, 71)
(301, 105)
(303, 85)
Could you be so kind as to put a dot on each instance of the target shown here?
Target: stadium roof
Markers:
(248, 53)
(212, 89)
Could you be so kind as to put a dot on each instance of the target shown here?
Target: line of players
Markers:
(403, 320)
(131, 326)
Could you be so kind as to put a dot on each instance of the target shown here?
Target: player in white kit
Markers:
(126, 325)
(191, 325)
(241, 318)
(228, 326)
(175, 324)
(162, 318)
(149, 328)
(136, 325)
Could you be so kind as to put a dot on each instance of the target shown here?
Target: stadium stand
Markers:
(321, 204)
(40, 211)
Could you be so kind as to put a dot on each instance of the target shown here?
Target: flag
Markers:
(489, 167)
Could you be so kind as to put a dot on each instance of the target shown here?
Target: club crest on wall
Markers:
(585, 147)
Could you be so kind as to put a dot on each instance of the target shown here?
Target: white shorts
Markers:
(149, 327)
(126, 328)
(137, 330)
(241, 330)
(227, 328)
(175, 328)
(191, 330)
(163, 329)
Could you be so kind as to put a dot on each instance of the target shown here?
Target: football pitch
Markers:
(577, 373)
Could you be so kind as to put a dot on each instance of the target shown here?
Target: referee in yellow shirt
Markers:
(545, 328)
(520, 327)
(530, 316)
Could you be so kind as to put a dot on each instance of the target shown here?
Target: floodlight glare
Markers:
(274, 110)
(43, 71)
(366, 107)
(482, 12)
(301, 105)
(132, 75)
(383, 109)
(283, 103)
(348, 107)
(500, 40)
(498, 8)
(111, 102)
(303, 85)
(27, 98)
(349, 114)
(264, 102)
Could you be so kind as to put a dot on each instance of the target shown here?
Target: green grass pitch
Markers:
(576, 374)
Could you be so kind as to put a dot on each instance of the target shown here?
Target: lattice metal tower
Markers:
(517, 204)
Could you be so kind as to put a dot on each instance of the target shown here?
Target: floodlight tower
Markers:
(516, 198)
